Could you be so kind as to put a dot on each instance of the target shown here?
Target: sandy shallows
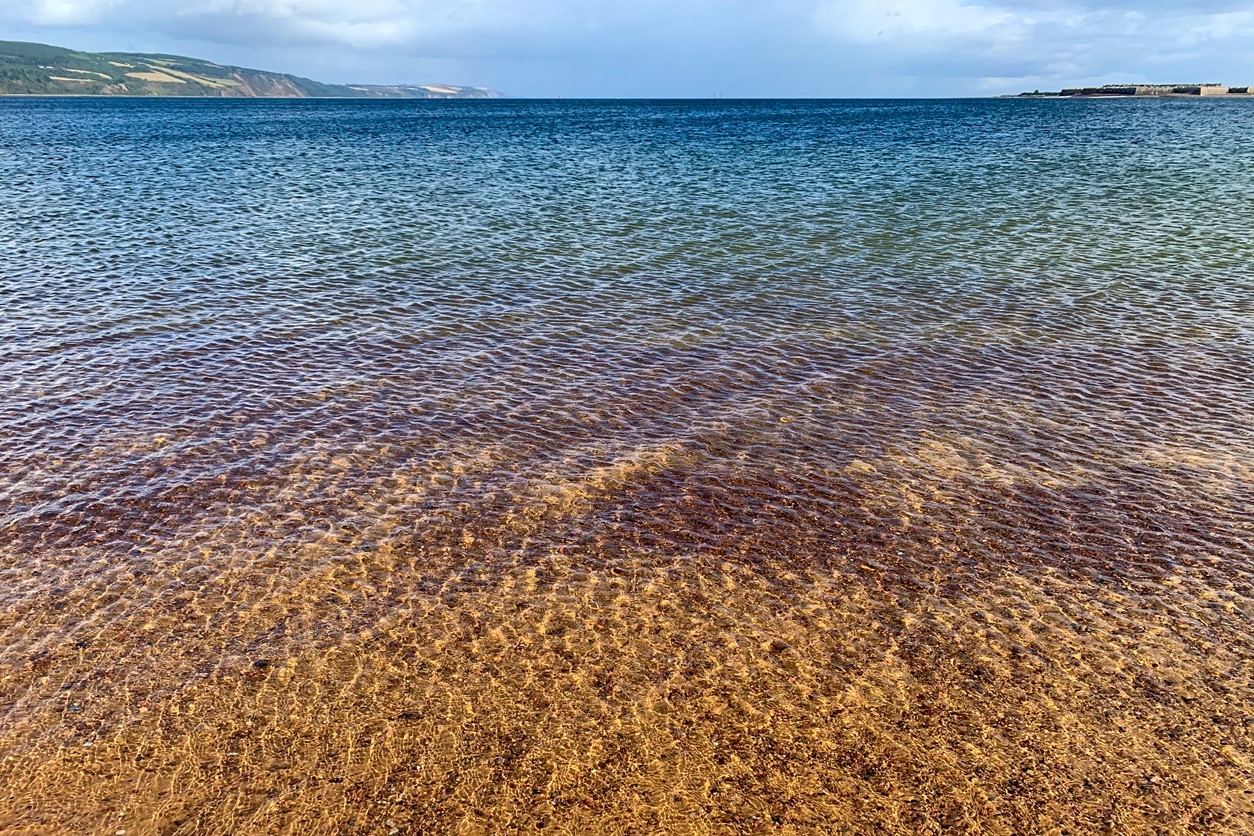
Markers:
(448, 686)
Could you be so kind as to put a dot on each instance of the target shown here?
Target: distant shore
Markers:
(44, 70)
(200, 97)
(1143, 91)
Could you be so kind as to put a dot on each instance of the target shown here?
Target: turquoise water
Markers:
(273, 374)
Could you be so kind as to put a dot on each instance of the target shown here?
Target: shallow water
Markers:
(626, 467)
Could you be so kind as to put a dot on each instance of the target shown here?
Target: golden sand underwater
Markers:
(603, 467)
(628, 652)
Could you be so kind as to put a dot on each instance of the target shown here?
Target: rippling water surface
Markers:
(400, 467)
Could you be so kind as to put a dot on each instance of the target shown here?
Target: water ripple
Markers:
(872, 465)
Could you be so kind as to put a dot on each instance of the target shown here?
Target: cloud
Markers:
(362, 24)
(803, 47)
(67, 12)
(1221, 26)
(1000, 45)
(884, 21)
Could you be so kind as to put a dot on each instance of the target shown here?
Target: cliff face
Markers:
(38, 69)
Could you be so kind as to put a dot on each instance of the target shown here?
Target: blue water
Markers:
(901, 343)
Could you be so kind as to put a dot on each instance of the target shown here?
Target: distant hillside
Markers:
(38, 69)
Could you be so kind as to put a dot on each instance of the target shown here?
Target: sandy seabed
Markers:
(619, 657)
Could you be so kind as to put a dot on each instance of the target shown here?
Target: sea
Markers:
(626, 466)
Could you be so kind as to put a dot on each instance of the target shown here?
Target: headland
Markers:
(30, 69)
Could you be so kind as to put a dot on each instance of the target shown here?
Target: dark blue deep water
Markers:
(317, 414)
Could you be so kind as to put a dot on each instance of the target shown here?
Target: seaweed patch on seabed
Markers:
(897, 644)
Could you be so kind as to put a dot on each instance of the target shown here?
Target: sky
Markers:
(678, 48)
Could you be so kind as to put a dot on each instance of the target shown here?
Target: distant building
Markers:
(1157, 90)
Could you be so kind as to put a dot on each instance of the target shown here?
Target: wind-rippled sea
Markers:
(626, 467)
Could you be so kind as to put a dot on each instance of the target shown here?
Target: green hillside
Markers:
(39, 69)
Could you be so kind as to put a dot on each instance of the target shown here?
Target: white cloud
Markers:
(1221, 26)
(872, 21)
(361, 24)
(67, 12)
